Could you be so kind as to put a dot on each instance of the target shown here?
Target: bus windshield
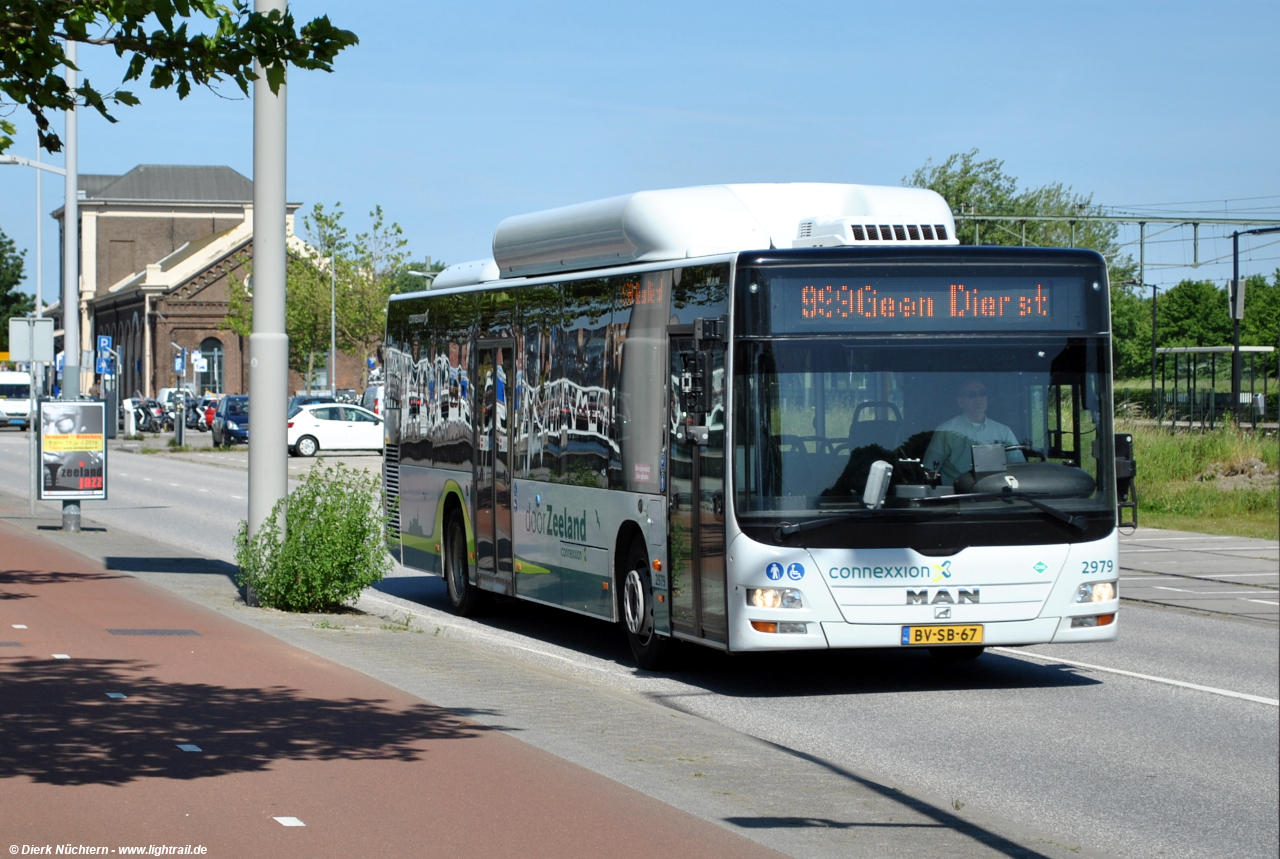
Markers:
(813, 414)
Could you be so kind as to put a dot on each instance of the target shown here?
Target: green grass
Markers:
(1171, 495)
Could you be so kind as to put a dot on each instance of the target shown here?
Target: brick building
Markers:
(158, 246)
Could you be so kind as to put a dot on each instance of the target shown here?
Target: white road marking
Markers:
(61, 656)
(173, 484)
(1257, 699)
(1204, 593)
(1178, 539)
(19, 626)
(288, 821)
(204, 490)
(148, 479)
(1264, 602)
(1233, 575)
(189, 747)
(237, 497)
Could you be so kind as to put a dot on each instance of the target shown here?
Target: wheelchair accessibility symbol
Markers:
(773, 571)
(795, 572)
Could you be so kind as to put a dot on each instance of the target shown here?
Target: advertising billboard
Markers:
(73, 450)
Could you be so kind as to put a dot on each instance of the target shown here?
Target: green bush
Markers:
(332, 545)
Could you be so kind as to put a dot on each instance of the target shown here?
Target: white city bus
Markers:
(763, 417)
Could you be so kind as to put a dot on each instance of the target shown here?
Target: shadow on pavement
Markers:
(57, 725)
(816, 823)
(172, 565)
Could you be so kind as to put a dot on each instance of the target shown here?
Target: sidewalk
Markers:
(131, 716)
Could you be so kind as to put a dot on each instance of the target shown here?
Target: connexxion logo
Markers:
(937, 572)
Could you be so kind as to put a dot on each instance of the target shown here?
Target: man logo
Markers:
(943, 596)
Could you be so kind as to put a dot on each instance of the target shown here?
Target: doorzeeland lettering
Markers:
(561, 524)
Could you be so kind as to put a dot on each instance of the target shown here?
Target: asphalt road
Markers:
(1180, 761)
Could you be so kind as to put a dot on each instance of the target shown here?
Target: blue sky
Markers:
(454, 116)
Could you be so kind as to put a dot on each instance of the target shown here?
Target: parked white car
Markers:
(330, 426)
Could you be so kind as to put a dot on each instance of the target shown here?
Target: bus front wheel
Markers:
(464, 597)
(647, 646)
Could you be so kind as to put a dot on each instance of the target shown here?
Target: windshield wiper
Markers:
(786, 529)
(1076, 522)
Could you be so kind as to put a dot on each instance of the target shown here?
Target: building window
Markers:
(211, 379)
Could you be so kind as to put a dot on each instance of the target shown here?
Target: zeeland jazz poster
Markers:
(73, 450)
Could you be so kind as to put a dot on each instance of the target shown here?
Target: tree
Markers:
(982, 187)
(156, 39)
(365, 269)
(12, 303)
(1261, 323)
(404, 281)
(380, 257)
(1194, 313)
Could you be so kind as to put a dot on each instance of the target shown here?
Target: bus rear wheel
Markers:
(649, 649)
(963, 653)
(464, 597)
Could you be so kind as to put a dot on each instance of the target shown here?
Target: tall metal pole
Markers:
(1235, 326)
(37, 374)
(333, 319)
(71, 273)
(268, 344)
(1153, 345)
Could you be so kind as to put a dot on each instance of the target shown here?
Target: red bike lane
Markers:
(129, 716)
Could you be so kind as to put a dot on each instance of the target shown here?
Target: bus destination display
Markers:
(916, 304)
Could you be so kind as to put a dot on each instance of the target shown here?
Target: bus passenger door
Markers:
(696, 490)
(493, 467)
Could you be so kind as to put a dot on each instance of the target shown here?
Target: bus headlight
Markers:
(774, 598)
(1096, 592)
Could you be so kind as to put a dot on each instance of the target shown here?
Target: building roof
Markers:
(170, 183)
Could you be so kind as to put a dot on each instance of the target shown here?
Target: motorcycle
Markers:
(147, 415)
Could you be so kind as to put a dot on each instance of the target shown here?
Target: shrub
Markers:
(332, 545)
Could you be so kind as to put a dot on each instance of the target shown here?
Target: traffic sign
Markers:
(104, 343)
(105, 366)
(199, 363)
(177, 364)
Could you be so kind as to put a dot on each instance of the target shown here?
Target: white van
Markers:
(15, 399)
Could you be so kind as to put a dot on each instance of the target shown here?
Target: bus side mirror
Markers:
(877, 484)
(1126, 488)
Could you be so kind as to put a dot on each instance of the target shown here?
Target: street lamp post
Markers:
(37, 369)
(1238, 305)
(1153, 335)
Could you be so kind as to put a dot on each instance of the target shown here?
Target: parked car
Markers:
(15, 399)
(231, 421)
(308, 399)
(333, 427)
(372, 399)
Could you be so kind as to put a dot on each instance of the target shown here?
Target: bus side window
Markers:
(584, 393)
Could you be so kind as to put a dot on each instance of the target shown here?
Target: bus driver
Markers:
(950, 449)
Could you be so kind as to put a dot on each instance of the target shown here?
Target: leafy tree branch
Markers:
(158, 42)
